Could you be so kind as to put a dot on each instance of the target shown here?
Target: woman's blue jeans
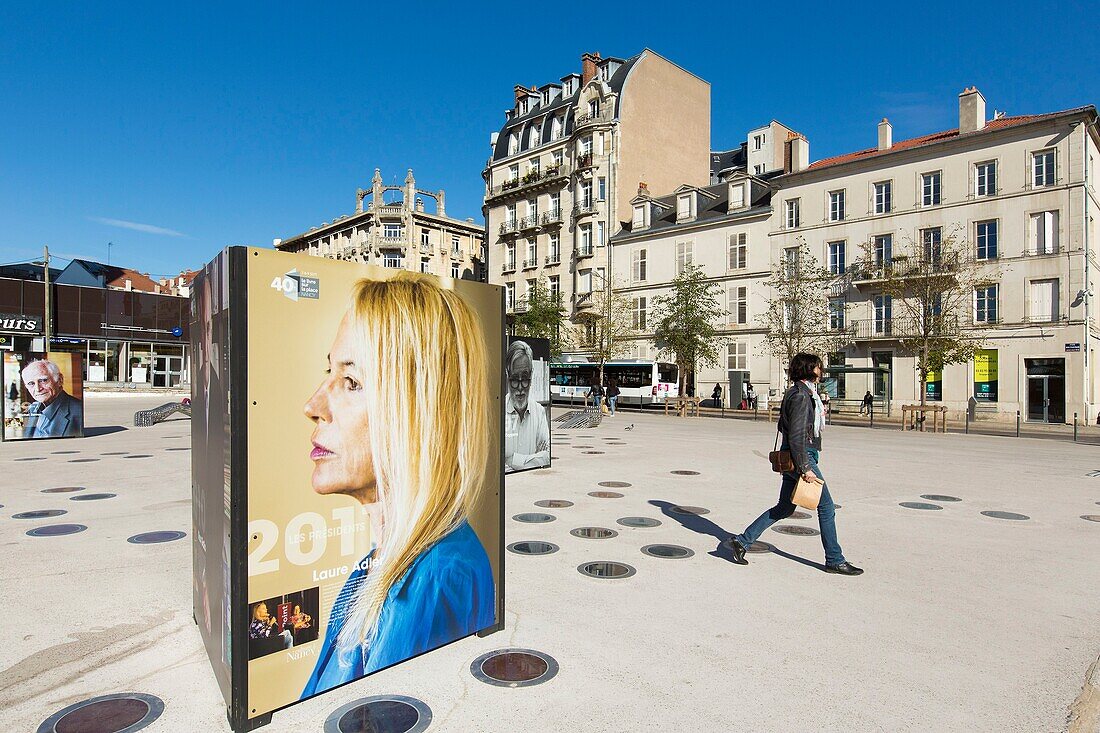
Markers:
(611, 403)
(826, 514)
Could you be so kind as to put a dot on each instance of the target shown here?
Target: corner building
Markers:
(568, 160)
(1020, 191)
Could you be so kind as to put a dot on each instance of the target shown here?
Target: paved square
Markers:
(962, 622)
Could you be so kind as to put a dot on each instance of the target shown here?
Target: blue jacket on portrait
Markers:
(447, 593)
(62, 418)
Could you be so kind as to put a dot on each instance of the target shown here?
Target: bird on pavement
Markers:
(629, 427)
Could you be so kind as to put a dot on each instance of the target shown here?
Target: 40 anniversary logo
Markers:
(295, 285)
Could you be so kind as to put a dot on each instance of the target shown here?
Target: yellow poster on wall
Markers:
(985, 375)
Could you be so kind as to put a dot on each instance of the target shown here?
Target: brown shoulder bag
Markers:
(781, 459)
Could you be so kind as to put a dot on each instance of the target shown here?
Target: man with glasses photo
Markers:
(526, 430)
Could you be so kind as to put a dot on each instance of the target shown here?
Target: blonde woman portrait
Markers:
(401, 424)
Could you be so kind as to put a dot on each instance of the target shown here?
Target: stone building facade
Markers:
(399, 233)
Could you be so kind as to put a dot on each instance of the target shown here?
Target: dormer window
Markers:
(594, 108)
(640, 216)
(556, 127)
(684, 207)
(737, 195)
(758, 142)
(523, 106)
(535, 136)
(513, 143)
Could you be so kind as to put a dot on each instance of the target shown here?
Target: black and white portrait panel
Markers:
(527, 404)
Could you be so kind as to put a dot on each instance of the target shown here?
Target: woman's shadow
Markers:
(701, 525)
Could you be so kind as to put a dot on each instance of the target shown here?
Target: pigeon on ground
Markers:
(629, 427)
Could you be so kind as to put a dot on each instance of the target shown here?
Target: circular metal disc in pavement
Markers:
(56, 530)
(678, 509)
(534, 517)
(1006, 515)
(668, 552)
(939, 497)
(153, 538)
(1091, 517)
(795, 530)
(639, 522)
(63, 490)
(553, 503)
(39, 514)
(127, 712)
(606, 569)
(614, 484)
(684, 473)
(593, 533)
(92, 497)
(533, 547)
(380, 714)
(920, 505)
(605, 494)
(514, 667)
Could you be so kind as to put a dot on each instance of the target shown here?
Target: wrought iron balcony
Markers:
(509, 226)
(532, 179)
(531, 264)
(584, 208)
(529, 222)
(882, 329)
(553, 258)
(585, 161)
(508, 267)
(862, 273)
(551, 217)
(581, 120)
(584, 250)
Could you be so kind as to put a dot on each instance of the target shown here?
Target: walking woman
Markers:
(801, 421)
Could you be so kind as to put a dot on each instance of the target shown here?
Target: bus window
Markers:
(666, 373)
(630, 376)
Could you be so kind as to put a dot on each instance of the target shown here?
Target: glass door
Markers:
(1046, 390)
(1037, 399)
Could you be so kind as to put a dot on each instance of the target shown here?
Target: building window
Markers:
(593, 108)
(586, 145)
(884, 250)
(392, 259)
(884, 314)
(637, 265)
(555, 286)
(1044, 300)
(638, 222)
(757, 142)
(737, 196)
(932, 242)
(391, 231)
(758, 168)
(533, 210)
(738, 251)
(987, 239)
(884, 197)
(1044, 232)
(794, 220)
(513, 143)
(510, 296)
(455, 270)
(1042, 168)
(931, 188)
(513, 172)
(555, 247)
(638, 307)
(532, 254)
(425, 236)
(510, 214)
(456, 244)
(684, 255)
(601, 189)
(425, 264)
(737, 356)
(837, 257)
(556, 127)
(559, 158)
(601, 236)
(985, 178)
(836, 314)
(533, 167)
(985, 304)
(790, 261)
(683, 207)
(586, 239)
(586, 195)
(836, 205)
(737, 303)
(535, 136)
(555, 205)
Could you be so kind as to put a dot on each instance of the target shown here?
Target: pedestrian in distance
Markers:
(750, 394)
(612, 394)
(595, 392)
(825, 401)
(867, 404)
(716, 395)
(801, 423)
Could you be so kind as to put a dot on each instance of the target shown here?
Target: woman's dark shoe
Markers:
(738, 551)
(844, 568)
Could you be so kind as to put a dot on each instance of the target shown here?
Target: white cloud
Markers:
(137, 227)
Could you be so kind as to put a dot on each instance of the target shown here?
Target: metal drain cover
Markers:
(639, 522)
(514, 667)
(31, 458)
(63, 490)
(122, 713)
(84, 460)
(795, 530)
(614, 484)
(593, 533)
(152, 538)
(64, 452)
(592, 452)
(56, 530)
(684, 473)
(92, 497)
(759, 547)
(1091, 517)
(39, 514)
(939, 497)
(920, 505)
(678, 509)
(800, 515)
(380, 714)
(115, 453)
(668, 552)
(1006, 515)
(139, 455)
(605, 494)
(553, 503)
(533, 548)
(534, 517)
(606, 569)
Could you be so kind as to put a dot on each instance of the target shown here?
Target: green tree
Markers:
(931, 285)
(542, 315)
(605, 328)
(797, 317)
(687, 321)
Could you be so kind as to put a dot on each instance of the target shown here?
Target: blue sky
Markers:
(173, 130)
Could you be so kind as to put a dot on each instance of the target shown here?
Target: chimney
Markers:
(797, 153)
(589, 67)
(885, 135)
(971, 110)
(643, 189)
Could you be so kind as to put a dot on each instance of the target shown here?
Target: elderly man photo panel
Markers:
(43, 396)
(527, 404)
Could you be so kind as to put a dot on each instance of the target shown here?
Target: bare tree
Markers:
(932, 284)
(801, 316)
(605, 329)
(542, 314)
(687, 321)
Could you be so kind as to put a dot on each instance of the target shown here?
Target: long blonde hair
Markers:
(426, 375)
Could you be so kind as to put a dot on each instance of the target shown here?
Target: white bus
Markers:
(640, 382)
